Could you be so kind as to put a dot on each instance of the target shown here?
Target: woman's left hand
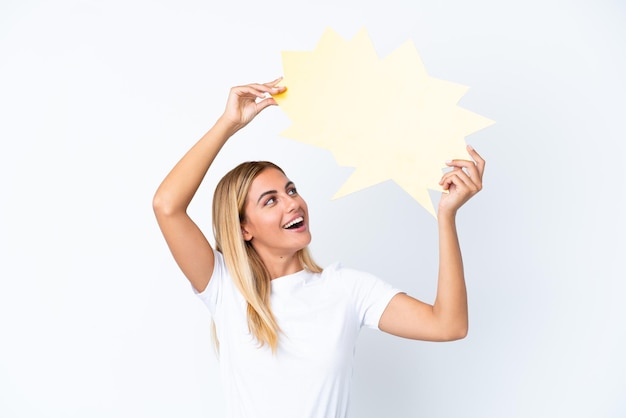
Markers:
(462, 182)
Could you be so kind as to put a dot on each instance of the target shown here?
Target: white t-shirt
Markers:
(320, 315)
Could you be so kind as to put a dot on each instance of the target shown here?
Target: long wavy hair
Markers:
(242, 261)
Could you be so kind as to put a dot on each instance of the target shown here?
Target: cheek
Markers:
(304, 206)
(260, 221)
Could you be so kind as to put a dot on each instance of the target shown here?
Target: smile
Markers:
(296, 223)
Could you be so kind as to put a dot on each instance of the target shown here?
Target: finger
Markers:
(249, 90)
(454, 181)
(471, 168)
(270, 87)
(471, 178)
(467, 167)
(258, 90)
(273, 83)
(262, 104)
(480, 161)
(460, 179)
(477, 160)
(461, 164)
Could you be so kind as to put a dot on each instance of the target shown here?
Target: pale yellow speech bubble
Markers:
(387, 118)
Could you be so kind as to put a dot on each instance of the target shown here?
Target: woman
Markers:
(286, 328)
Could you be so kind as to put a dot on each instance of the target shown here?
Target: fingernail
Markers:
(449, 162)
(470, 147)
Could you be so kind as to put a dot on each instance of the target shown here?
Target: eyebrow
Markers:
(289, 183)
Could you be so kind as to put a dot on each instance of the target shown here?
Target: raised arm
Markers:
(447, 318)
(188, 245)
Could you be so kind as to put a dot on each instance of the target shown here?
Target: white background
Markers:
(98, 100)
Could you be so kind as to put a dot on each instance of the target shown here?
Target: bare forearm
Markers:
(451, 302)
(180, 185)
(447, 318)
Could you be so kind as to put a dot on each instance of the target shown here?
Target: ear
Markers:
(247, 236)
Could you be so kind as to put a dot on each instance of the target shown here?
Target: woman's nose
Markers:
(292, 204)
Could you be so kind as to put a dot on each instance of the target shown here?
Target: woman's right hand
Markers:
(247, 101)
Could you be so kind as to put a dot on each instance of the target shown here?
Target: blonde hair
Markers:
(242, 261)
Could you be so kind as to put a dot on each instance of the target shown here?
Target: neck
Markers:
(279, 266)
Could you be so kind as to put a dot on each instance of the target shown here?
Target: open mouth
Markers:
(296, 223)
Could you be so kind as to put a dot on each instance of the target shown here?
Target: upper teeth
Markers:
(295, 221)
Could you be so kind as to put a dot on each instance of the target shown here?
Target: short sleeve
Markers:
(212, 294)
(369, 294)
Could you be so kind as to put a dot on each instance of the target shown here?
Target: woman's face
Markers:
(276, 217)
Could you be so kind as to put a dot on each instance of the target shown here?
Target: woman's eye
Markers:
(292, 191)
(269, 201)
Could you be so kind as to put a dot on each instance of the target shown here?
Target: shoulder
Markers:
(369, 294)
(347, 274)
(352, 280)
(219, 279)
